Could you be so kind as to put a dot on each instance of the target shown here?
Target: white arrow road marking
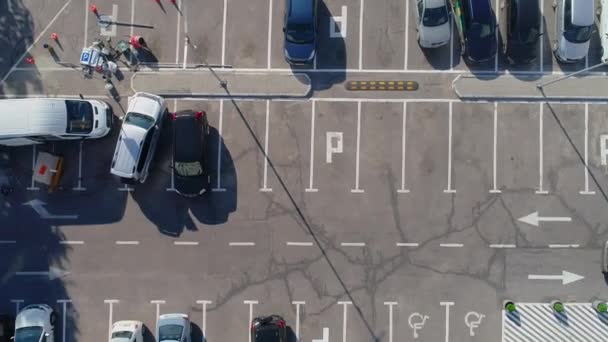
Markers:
(566, 277)
(534, 219)
(53, 273)
(39, 208)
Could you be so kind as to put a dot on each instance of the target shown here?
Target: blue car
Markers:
(479, 29)
(300, 27)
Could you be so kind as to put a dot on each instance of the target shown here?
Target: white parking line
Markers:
(219, 188)
(204, 326)
(265, 153)
(344, 318)
(269, 52)
(224, 33)
(449, 187)
(111, 303)
(540, 151)
(357, 189)
(300, 244)
(496, 35)
(132, 15)
(127, 242)
(79, 187)
(86, 23)
(172, 188)
(179, 18)
(42, 33)
(352, 244)
(32, 185)
(71, 242)
(407, 244)
(447, 319)
(157, 302)
(297, 304)
(7, 242)
(64, 303)
(586, 152)
(403, 140)
(17, 303)
(451, 43)
(390, 319)
(126, 188)
(451, 245)
(502, 246)
(407, 23)
(360, 35)
(185, 243)
(312, 149)
(542, 31)
(564, 245)
(241, 244)
(250, 303)
(495, 144)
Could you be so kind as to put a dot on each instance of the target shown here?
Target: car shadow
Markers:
(196, 334)
(148, 334)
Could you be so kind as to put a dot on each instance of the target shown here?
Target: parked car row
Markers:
(41, 120)
(476, 25)
(36, 323)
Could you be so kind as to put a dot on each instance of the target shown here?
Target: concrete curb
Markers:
(205, 84)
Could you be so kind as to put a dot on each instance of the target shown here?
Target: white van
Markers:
(603, 13)
(574, 21)
(38, 120)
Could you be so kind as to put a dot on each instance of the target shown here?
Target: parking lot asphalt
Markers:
(359, 212)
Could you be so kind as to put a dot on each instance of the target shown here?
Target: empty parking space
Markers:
(384, 34)
(247, 34)
(159, 23)
(339, 35)
(204, 23)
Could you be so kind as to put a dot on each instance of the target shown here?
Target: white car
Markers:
(127, 331)
(138, 137)
(35, 323)
(433, 18)
(603, 13)
(574, 21)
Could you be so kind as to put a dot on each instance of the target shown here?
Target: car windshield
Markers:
(435, 16)
(139, 120)
(575, 33)
(300, 33)
(481, 30)
(189, 169)
(529, 36)
(28, 334)
(170, 332)
(80, 117)
(122, 334)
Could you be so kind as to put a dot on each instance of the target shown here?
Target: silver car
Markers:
(173, 327)
(35, 323)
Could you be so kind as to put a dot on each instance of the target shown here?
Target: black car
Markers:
(190, 135)
(523, 30)
(268, 329)
(479, 29)
(7, 327)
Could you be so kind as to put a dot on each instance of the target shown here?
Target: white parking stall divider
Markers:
(586, 153)
(157, 302)
(297, 304)
(79, 187)
(540, 190)
(224, 33)
(407, 24)
(357, 189)
(111, 303)
(362, 5)
(250, 303)
(344, 304)
(311, 188)
(494, 189)
(204, 303)
(265, 153)
(390, 319)
(17, 303)
(497, 35)
(542, 31)
(172, 188)
(450, 121)
(64, 303)
(219, 188)
(447, 319)
(403, 189)
(32, 186)
(269, 52)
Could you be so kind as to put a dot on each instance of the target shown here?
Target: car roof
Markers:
(33, 117)
(528, 13)
(187, 136)
(128, 148)
(301, 10)
(479, 10)
(582, 12)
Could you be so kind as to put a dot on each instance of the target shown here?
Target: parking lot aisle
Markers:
(338, 40)
(203, 21)
(381, 153)
(472, 149)
(427, 59)
(157, 23)
(384, 35)
(598, 147)
(518, 157)
(564, 145)
(246, 34)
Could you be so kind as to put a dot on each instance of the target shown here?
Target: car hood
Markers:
(481, 49)
(572, 51)
(435, 34)
(31, 317)
(299, 52)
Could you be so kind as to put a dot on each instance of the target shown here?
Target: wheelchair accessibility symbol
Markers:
(473, 321)
(416, 322)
